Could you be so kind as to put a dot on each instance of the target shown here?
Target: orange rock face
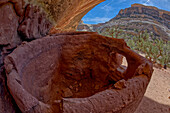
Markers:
(76, 72)
(66, 14)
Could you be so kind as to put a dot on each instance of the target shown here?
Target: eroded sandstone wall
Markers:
(26, 21)
(76, 72)
(21, 21)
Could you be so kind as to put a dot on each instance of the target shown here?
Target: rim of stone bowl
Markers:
(126, 94)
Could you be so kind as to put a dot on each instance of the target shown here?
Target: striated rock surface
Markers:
(35, 24)
(18, 17)
(68, 13)
(150, 12)
(7, 104)
(137, 17)
(76, 72)
(8, 26)
(9, 39)
(35, 20)
(88, 27)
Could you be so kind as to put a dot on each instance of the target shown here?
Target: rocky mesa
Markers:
(137, 17)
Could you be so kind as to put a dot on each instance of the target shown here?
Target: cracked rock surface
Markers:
(76, 72)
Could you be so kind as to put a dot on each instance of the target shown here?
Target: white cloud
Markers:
(120, 1)
(161, 4)
(96, 20)
(107, 8)
(147, 2)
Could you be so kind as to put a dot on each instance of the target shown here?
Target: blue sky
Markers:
(110, 8)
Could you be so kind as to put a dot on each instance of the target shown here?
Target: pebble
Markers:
(80, 84)
(77, 89)
(97, 87)
(71, 87)
(67, 92)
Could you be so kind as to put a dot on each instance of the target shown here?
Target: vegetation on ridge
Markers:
(156, 50)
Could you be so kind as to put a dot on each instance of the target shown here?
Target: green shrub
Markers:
(156, 50)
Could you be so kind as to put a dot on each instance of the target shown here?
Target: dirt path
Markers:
(157, 96)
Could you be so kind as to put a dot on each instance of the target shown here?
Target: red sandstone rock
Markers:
(35, 21)
(8, 26)
(31, 23)
(7, 104)
(35, 24)
(42, 74)
(66, 14)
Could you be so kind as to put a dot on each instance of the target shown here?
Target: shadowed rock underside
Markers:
(76, 72)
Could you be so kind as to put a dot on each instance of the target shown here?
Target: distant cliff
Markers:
(137, 18)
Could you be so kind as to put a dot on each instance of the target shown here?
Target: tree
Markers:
(156, 50)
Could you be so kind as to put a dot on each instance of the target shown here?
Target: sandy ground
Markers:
(157, 96)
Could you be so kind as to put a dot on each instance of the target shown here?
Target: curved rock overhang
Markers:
(65, 14)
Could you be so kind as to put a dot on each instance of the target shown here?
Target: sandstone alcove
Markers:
(76, 72)
(65, 71)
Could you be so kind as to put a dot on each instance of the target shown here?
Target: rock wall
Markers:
(142, 18)
(69, 17)
(21, 20)
(35, 24)
(18, 23)
(153, 13)
(65, 14)
(76, 72)
(137, 17)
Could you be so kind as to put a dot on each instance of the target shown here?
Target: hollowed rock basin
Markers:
(76, 72)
